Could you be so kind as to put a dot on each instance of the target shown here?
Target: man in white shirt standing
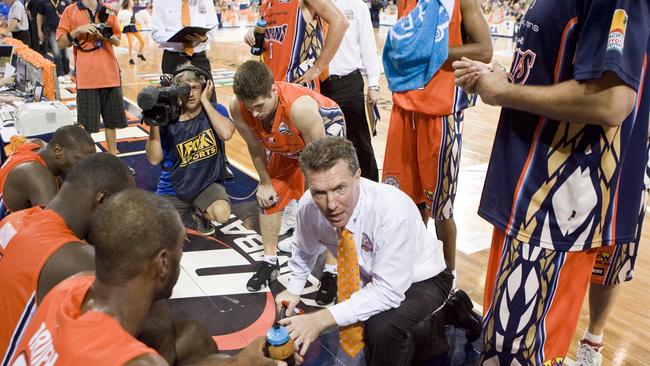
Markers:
(170, 16)
(392, 272)
(357, 53)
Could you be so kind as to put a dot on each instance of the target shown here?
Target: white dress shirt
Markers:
(358, 49)
(166, 21)
(394, 249)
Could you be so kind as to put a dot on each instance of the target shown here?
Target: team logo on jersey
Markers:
(390, 180)
(349, 14)
(284, 129)
(366, 244)
(277, 33)
(616, 39)
(523, 63)
(200, 147)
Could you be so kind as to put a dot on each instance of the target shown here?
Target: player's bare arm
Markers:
(305, 115)
(478, 45)
(338, 24)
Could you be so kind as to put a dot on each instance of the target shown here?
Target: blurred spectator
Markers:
(17, 22)
(47, 15)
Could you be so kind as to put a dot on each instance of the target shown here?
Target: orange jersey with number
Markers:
(437, 98)
(27, 240)
(61, 334)
(284, 137)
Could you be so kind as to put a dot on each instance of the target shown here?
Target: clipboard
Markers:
(179, 37)
(372, 113)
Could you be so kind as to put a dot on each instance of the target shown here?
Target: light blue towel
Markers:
(417, 45)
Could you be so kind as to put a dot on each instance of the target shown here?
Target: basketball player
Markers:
(42, 246)
(278, 118)
(567, 167)
(30, 177)
(294, 49)
(92, 319)
(424, 136)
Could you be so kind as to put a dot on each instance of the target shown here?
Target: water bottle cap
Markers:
(277, 335)
(261, 23)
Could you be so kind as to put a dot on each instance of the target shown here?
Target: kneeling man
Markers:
(391, 270)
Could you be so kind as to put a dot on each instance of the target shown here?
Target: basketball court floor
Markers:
(215, 270)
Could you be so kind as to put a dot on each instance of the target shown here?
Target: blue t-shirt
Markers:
(569, 186)
(193, 156)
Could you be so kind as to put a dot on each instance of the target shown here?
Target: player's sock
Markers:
(331, 268)
(272, 259)
(596, 339)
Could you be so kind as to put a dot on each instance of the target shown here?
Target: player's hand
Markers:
(249, 38)
(311, 74)
(195, 37)
(253, 354)
(41, 36)
(266, 196)
(290, 298)
(207, 92)
(490, 86)
(373, 96)
(467, 72)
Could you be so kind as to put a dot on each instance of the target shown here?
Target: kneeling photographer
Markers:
(187, 135)
(93, 30)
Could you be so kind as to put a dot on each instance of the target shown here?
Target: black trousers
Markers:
(386, 334)
(347, 92)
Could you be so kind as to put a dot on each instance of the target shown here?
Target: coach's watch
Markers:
(72, 40)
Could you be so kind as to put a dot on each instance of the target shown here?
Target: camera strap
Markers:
(91, 17)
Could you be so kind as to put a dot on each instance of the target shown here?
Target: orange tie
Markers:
(349, 282)
(185, 19)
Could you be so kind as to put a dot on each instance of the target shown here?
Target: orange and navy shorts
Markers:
(615, 264)
(287, 180)
(422, 158)
(532, 302)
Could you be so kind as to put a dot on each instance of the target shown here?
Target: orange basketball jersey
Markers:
(284, 137)
(23, 153)
(60, 334)
(292, 44)
(27, 239)
(437, 97)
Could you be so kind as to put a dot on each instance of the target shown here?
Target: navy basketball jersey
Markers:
(569, 186)
(197, 154)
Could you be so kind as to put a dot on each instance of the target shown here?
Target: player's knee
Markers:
(218, 211)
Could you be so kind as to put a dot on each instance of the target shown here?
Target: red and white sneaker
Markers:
(589, 353)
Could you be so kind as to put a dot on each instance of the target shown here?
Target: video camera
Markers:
(161, 105)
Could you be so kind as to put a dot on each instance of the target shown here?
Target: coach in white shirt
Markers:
(357, 54)
(401, 267)
(167, 19)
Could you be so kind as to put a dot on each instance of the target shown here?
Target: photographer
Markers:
(93, 31)
(194, 144)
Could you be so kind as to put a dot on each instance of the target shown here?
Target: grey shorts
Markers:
(212, 193)
(107, 102)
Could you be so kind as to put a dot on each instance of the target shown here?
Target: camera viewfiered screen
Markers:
(38, 92)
